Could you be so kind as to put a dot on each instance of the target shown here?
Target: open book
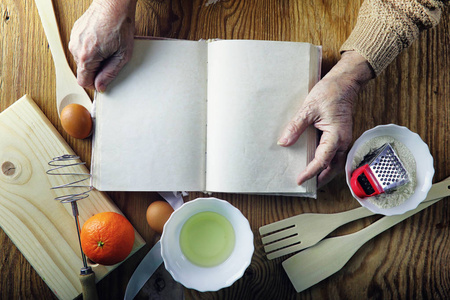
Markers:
(205, 116)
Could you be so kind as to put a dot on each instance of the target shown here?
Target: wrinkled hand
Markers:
(101, 41)
(329, 107)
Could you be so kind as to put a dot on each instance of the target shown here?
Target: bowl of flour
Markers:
(416, 158)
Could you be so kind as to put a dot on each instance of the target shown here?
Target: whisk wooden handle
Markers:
(88, 286)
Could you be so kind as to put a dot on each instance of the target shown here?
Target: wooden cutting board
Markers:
(43, 229)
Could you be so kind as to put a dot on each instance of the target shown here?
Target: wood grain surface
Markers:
(44, 229)
(411, 260)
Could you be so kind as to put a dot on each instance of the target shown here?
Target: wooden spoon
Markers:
(67, 89)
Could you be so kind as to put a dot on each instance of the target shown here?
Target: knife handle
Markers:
(88, 286)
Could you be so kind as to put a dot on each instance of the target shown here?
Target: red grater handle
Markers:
(356, 185)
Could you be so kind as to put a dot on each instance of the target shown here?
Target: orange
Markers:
(107, 238)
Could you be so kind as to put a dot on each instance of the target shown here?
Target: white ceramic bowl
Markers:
(422, 156)
(207, 278)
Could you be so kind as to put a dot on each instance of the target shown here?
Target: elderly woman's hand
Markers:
(329, 108)
(101, 41)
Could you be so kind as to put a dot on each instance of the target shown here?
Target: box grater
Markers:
(380, 171)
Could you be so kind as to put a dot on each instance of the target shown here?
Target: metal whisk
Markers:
(58, 165)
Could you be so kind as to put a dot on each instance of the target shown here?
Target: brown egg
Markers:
(158, 212)
(76, 121)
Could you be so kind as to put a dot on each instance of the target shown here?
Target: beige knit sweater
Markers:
(385, 27)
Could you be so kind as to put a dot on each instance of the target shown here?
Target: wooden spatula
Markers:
(316, 263)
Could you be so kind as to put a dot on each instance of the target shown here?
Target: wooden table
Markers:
(412, 260)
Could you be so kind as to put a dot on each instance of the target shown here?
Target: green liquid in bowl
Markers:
(207, 239)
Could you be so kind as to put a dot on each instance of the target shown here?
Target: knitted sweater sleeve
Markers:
(385, 27)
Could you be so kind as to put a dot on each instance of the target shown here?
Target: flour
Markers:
(402, 193)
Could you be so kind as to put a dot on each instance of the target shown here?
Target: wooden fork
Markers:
(316, 263)
(305, 230)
